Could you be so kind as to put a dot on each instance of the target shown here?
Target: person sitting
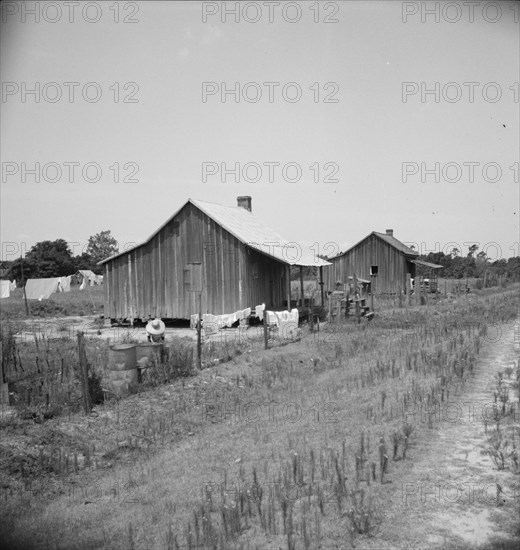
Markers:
(155, 330)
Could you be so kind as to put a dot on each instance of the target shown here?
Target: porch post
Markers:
(288, 289)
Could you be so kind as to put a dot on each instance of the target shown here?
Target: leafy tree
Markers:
(101, 246)
(458, 267)
(471, 250)
(45, 259)
(85, 261)
(15, 271)
(4, 268)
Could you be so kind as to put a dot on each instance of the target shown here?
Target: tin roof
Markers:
(390, 239)
(427, 264)
(250, 230)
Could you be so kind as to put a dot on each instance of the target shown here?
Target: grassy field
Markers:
(75, 302)
(307, 445)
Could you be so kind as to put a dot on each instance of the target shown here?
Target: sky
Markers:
(375, 115)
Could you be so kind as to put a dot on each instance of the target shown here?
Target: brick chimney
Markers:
(244, 202)
(390, 232)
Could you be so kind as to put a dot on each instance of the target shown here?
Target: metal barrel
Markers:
(122, 357)
(145, 353)
(121, 372)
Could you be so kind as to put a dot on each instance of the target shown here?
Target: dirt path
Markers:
(449, 496)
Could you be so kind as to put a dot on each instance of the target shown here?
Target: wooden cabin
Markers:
(225, 255)
(380, 258)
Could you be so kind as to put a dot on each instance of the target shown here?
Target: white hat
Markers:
(155, 327)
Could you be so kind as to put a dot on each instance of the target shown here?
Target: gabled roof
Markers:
(391, 240)
(396, 244)
(248, 229)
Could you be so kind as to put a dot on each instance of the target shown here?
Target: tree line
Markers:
(454, 266)
(473, 264)
(55, 259)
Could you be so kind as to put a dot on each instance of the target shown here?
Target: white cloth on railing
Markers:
(287, 322)
(211, 323)
(272, 318)
(259, 311)
(244, 314)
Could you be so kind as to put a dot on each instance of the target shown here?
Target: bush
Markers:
(181, 358)
(174, 362)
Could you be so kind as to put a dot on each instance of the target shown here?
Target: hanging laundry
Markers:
(226, 320)
(41, 289)
(244, 314)
(87, 278)
(65, 283)
(194, 320)
(259, 311)
(12, 286)
(272, 318)
(289, 324)
(209, 324)
(5, 289)
(212, 323)
(295, 315)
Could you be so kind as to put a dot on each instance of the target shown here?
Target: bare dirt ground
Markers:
(93, 327)
(449, 498)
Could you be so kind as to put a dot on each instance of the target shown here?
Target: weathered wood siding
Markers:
(154, 279)
(393, 265)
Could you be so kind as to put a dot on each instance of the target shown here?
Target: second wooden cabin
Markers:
(379, 254)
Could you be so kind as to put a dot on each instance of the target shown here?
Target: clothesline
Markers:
(43, 288)
(287, 322)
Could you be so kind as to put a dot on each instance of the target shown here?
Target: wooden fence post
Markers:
(266, 346)
(83, 372)
(24, 283)
(199, 334)
(321, 286)
(4, 386)
(357, 298)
